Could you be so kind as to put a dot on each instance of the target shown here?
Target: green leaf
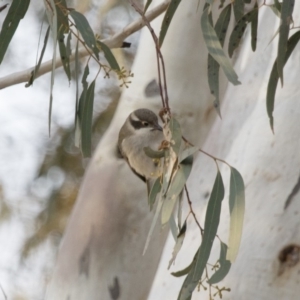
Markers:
(211, 225)
(158, 209)
(177, 184)
(187, 269)
(167, 20)
(147, 5)
(173, 227)
(64, 54)
(176, 135)
(238, 9)
(76, 121)
(224, 266)
(212, 65)
(155, 190)
(239, 30)
(15, 13)
(85, 30)
(287, 8)
(37, 67)
(52, 17)
(187, 152)
(109, 56)
(254, 23)
(273, 80)
(178, 244)
(237, 211)
(275, 10)
(87, 121)
(215, 49)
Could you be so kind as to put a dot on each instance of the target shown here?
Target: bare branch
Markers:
(113, 42)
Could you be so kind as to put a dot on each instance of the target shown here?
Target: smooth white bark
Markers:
(270, 167)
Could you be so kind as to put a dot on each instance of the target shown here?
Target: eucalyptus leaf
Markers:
(85, 30)
(212, 220)
(187, 269)
(87, 121)
(224, 266)
(287, 8)
(176, 135)
(237, 211)
(153, 153)
(238, 9)
(173, 227)
(147, 5)
(76, 121)
(15, 14)
(109, 56)
(37, 67)
(254, 23)
(155, 190)
(213, 66)
(178, 244)
(167, 20)
(273, 80)
(215, 49)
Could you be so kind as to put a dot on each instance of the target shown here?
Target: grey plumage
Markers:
(141, 129)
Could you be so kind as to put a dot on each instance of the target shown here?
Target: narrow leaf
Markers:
(273, 80)
(37, 67)
(173, 227)
(147, 5)
(85, 30)
(187, 269)
(213, 66)
(167, 20)
(178, 244)
(155, 190)
(239, 30)
(211, 225)
(238, 9)
(153, 153)
(109, 56)
(187, 152)
(76, 120)
(16, 12)
(176, 135)
(287, 8)
(224, 266)
(215, 49)
(64, 54)
(158, 209)
(254, 23)
(87, 121)
(237, 211)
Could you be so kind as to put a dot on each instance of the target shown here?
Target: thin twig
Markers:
(191, 209)
(115, 41)
(160, 59)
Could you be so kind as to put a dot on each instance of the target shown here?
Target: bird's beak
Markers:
(157, 127)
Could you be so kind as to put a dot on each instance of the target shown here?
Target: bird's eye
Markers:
(145, 124)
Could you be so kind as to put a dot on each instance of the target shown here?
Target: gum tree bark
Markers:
(101, 252)
(267, 266)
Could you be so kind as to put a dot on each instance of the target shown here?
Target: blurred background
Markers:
(40, 174)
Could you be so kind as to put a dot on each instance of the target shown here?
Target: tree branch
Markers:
(113, 42)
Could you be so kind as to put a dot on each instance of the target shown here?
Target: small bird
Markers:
(141, 129)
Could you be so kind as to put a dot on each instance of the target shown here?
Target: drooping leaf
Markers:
(155, 190)
(187, 152)
(287, 8)
(178, 244)
(211, 225)
(87, 121)
(254, 23)
(177, 184)
(37, 67)
(239, 30)
(275, 10)
(158, 209)
(215, 49)
(173, 227)
(237, 211)
(224, 266)
(176, 135)
(187, 269)
(62, 16)
(109, 56)
(212, 65)
(76, 120)
(273, 80)
(167, 20)
(52, 17)
(238, 9)
(16, 13)
(64, 55)
(85, 30)
(147, 5)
